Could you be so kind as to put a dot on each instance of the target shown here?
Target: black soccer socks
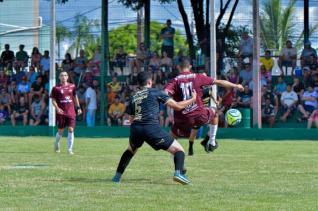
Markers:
(179, 160)
(124, 161)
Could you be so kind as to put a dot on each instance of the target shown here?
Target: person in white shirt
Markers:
(245, 48)
(309, 102)
(91, 105)
(288, 100)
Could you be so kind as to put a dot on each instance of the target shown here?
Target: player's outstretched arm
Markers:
(228, 84)
(182, 104)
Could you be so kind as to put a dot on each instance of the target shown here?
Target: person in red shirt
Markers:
(196, 114)
(64, 100)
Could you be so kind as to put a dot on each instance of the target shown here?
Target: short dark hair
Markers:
(142, 78)
(185, 63)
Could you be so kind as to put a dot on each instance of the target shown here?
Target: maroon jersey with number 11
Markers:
(64, 96)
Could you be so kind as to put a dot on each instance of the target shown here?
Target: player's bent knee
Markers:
(70, 129)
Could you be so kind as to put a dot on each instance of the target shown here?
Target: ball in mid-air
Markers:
(233, 117)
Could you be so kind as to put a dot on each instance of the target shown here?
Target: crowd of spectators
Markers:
(24, 83)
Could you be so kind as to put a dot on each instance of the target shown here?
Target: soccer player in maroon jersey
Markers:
(196, 114)
(64, 100)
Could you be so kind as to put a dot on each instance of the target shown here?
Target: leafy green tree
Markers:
(277, 25)
(62, 33)
(83, 32)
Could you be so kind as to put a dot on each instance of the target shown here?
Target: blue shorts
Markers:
(154, 135)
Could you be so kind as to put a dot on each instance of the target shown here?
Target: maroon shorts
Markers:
(64, 121)
(182, 126)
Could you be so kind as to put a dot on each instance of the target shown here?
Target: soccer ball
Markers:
(233, 117)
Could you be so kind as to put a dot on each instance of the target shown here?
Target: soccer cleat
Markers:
(190, 152)
(116, 179)
(70, 152)
(181, 178)
(204, 143)
(57, 151)
(211, 148)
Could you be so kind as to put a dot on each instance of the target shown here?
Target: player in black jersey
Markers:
(144, 114)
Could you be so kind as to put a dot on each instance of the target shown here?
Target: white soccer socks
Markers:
(212, 133)
(57, 142)
(70, 141)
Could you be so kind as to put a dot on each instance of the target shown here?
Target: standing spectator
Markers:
(81, 99)
(246, 74)
(22, 58)
(246, 47)
(116, 112)
(91, 105)
(94, 64)
(267, 61)
(20, 111)
(244, 100)
(289, 101)
(121, 59)
(37, 113)
(307, 52)
(45, 62)
(309, 102)
(68, 63)
(4, 114)
(288, 57)
(80, 63)
(167, 36)
(7, 57)
(35, 59)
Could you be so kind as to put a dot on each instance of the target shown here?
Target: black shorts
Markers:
(154, 135)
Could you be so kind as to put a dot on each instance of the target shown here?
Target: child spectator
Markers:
(20, 112)
(116, 112)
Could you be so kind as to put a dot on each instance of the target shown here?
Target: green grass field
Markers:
(240, 175)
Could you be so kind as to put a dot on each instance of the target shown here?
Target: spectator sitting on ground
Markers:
(267, 61)
(36, 58)
(313, 118)
(309, 102)
(280, 87)
(116, 112)
(80, 63)
(68, 63)
(45, 62)
(246, 74)
(307, 52)
(22, 58)
(7, 57)
(4, 114)
(288, 56)
(20, 111)
(244, 100)
(289, 101)
(37, 113)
